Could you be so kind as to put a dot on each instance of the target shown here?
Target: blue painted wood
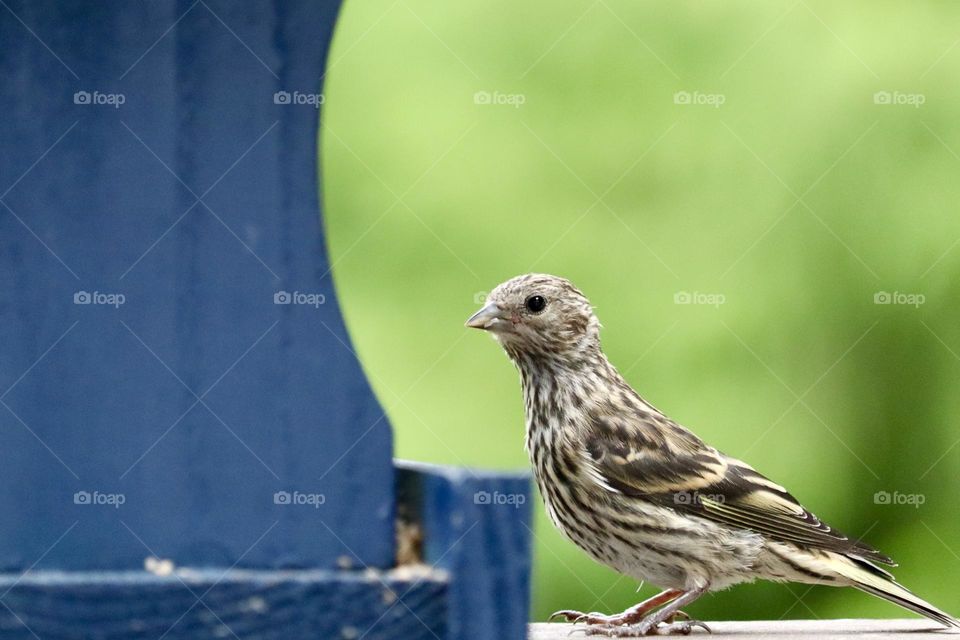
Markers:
(253, 605)
(476, 525)
(175, 376)
(158, 189)
(472, 582)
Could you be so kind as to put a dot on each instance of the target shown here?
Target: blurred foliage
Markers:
(797, 200)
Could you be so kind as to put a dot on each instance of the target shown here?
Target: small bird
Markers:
(642, 494)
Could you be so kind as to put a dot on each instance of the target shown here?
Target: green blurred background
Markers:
(464, 143)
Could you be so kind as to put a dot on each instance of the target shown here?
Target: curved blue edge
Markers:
(170, 338)
(175, 376)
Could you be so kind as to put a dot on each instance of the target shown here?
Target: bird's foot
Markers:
(599, 619)
(635, 614)
(645, 628)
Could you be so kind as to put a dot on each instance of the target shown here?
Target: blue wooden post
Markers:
(175, 377)
(477, 528)
(194, 202)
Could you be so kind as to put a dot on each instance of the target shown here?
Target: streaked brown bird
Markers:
(642, 494)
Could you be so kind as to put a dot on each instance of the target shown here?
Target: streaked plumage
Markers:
(641, 493)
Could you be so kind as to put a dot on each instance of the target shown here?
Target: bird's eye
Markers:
(535, 304)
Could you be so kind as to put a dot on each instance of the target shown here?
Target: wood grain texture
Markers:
(253, 605)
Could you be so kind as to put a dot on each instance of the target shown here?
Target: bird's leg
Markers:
(651, 623)
(634, 614)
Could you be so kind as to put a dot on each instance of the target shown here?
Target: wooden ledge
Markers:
(785, 630)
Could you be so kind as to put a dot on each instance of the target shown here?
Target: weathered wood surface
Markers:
(470, 581)
(216, 603)
(784, 630)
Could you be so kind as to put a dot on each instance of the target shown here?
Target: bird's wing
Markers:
(661, 462)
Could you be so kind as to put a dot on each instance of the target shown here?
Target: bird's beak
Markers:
(488, 317)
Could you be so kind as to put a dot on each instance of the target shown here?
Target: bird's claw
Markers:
(682, 628)
(569, 615)
(641, 629)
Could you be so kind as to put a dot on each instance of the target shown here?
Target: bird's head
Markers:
(540, 315)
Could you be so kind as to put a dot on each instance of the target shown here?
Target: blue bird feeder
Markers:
(190, 446)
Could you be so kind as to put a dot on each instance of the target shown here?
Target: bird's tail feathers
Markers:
(875, 581)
